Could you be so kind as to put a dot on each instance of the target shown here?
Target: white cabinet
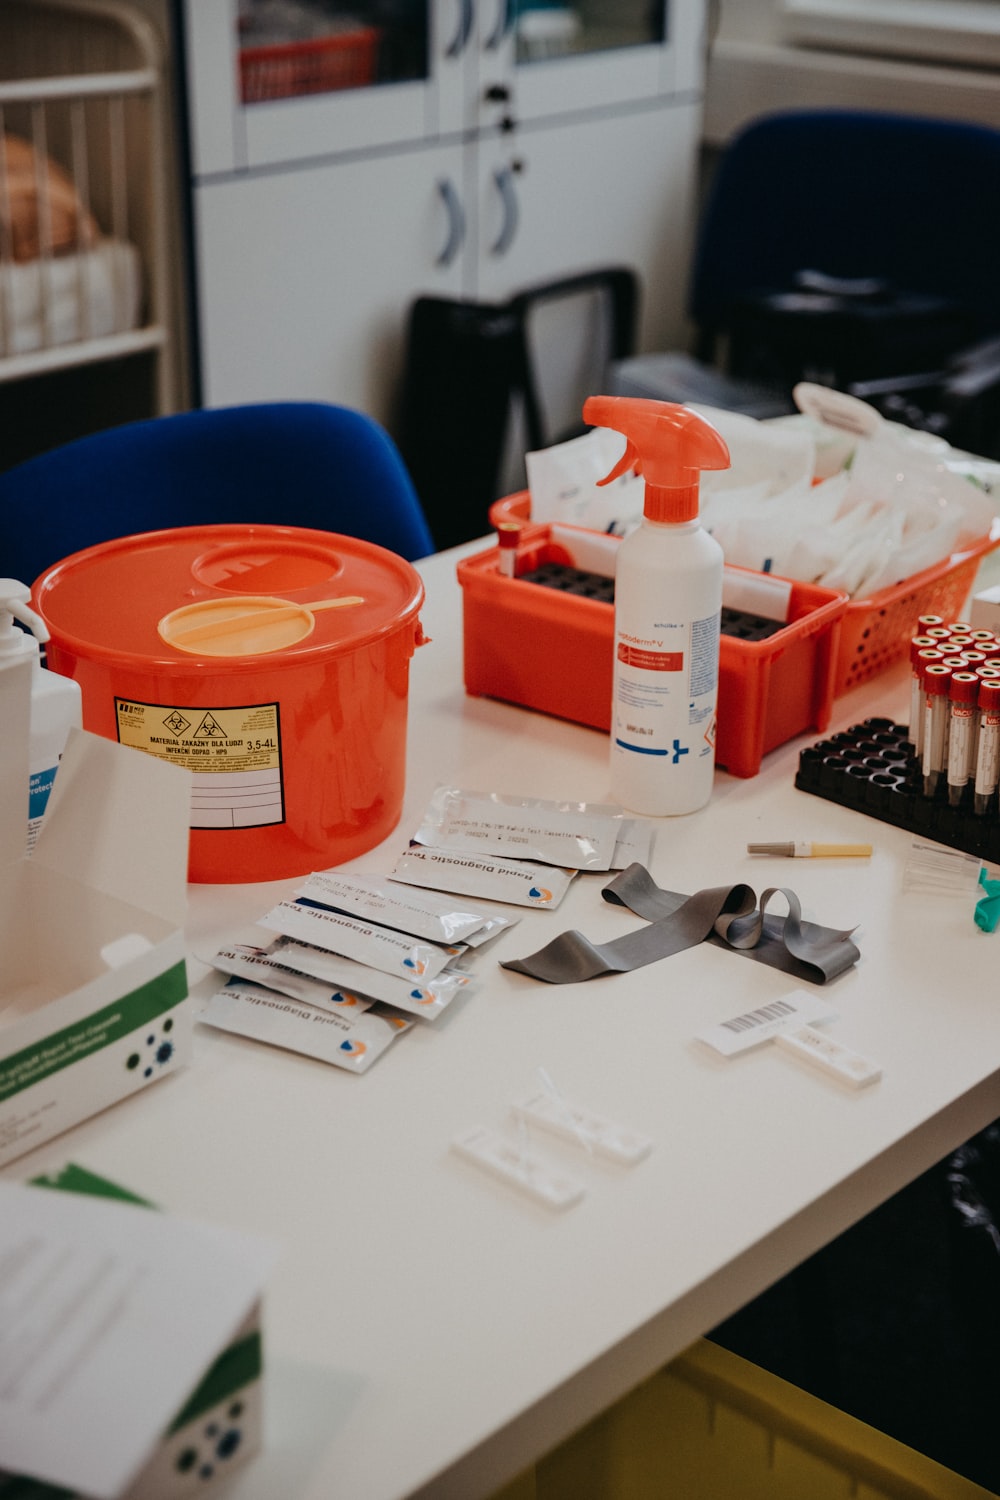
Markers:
(606, 189)
(304, 276)
(499, 152)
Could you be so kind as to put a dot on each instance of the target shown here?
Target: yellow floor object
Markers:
(712, 1426)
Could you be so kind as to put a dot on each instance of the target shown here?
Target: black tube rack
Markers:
(873, 768)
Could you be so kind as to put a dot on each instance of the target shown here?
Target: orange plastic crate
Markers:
(875, 632)
(284, 70)
(552, 651)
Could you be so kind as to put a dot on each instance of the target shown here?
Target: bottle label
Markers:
(649, 661)
(39, 787)
(665, 696)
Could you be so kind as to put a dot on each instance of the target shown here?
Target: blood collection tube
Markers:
(925, 656)
(938, 633)
(918, 643)
(924, 621)
(988, 752)
(985, 674)
(508, 537)
(974, 658)
(984, 638)
(958, 641)
(963, 700)
(959, 627)
(934, 758)
(918, 717)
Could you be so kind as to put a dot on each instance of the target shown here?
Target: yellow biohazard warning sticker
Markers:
(235, 754)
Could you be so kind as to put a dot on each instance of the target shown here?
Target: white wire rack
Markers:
(83, 261)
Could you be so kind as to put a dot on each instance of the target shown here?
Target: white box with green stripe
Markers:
(217, 1429)
(93, 987)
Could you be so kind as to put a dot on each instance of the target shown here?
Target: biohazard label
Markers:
(235, 754)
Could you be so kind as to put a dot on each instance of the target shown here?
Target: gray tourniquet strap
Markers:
(729, 916)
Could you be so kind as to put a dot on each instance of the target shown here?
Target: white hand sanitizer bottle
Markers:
(668, 606)
(55, 700)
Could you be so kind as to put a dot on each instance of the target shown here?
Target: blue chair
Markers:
(853, 194)
(289, 463)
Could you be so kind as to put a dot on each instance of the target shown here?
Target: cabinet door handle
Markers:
(456, 221)
(463, 30)
(504, 179)
(500, 30)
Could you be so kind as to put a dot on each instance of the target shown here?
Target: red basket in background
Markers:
(284, 70)
(876, 631)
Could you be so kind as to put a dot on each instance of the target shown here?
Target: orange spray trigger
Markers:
(668, 444)
(628, 461)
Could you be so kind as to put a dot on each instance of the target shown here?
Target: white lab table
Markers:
(427, 1330)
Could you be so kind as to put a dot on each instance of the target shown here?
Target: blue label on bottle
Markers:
(39, 788)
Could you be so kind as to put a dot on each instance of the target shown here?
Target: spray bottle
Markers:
(55, 700)
(668, 603)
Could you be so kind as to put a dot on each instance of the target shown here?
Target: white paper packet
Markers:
(517, 882)
(253, 1010)
(563, 481)
(372, 898)
(569, 834)
(426, 998)
(893, 504)
(486, 934)
(258, 965)
(634, 843)
(367, 943)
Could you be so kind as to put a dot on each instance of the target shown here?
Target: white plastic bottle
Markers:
(55, 700)
(668, 605)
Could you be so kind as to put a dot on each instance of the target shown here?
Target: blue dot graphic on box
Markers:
(158, 1053)
(222, 1442)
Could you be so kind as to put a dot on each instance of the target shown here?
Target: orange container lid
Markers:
(229, 596)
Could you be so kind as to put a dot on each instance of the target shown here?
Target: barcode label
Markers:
(756, 1026)
(775, 1012)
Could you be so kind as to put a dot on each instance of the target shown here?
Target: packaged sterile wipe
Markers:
(351, 1042)
(372, 898)
(378, 947)
(564, 486)
(567, 834)
(892, 504)
(243, 961)
(765, 457)
(519, 883)
(426, 998)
